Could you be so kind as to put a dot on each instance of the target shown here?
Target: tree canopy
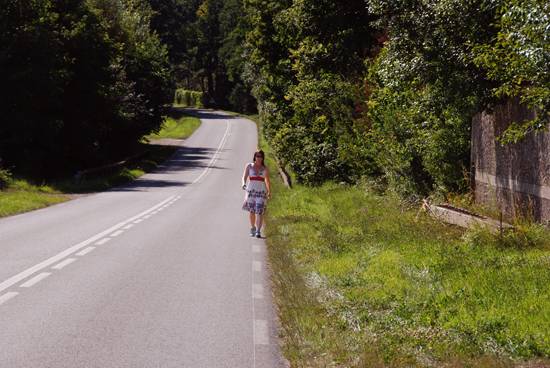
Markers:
(83, 81)
(345, 89)
(389, 88)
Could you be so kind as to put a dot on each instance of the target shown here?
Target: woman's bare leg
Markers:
(259, 222)
(252, 218)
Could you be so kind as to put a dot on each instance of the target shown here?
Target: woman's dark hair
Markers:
(259, 153)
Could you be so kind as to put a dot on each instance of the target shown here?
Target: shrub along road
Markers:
(160, 272)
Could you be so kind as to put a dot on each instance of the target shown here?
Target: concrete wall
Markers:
(514, 177)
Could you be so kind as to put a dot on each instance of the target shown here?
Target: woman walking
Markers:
(258, 191)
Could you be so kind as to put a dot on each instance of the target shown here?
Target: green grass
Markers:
(361, 281)
(177, 127)
(22, 196)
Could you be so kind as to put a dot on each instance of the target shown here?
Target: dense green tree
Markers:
(84, 80)
(431, 67)
(232, 53)
(205, 39)
(443, 63)
(306, 63)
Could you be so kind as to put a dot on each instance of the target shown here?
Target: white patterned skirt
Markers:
(256, 197)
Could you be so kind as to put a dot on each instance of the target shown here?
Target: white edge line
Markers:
(262, 335)
(58, 257)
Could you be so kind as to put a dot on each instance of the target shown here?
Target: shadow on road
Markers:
(145, 184)
(206, 114)
(185, 158)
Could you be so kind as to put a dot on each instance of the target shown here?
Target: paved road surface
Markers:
(159, 273)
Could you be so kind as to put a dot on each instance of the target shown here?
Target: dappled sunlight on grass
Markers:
(177, 128)
(389, 284)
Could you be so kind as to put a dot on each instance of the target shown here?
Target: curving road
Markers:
(158, 273)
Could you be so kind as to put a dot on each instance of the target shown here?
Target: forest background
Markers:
(346, 90)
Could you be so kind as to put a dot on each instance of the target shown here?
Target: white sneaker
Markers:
(253, 231)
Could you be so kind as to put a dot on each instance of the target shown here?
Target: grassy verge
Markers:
(362, 281)
(21, 195)
(177, 126)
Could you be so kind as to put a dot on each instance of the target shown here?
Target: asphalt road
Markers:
(158, 273)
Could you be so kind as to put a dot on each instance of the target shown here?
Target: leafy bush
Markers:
(5, 178)
(431, 67)
(318, 140)
(188, 98)
(421, 143)
(424, 90)
(519, 61)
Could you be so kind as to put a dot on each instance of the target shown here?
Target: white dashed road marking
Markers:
(257, 291)
(66, 262)
(36, 279)
(261, 336)
(85, 251)
(60, 260)
(7, 296)
(67, 252)
(103, 241)
(257, 266)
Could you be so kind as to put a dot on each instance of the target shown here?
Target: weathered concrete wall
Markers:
(514, 177)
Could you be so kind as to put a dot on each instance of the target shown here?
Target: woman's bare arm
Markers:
(245, 175)
(267, 183)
